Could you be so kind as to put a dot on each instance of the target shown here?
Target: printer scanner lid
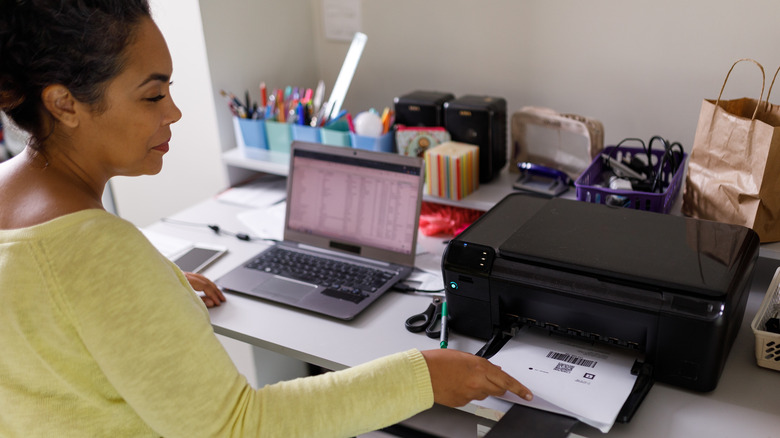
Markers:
(630, 245)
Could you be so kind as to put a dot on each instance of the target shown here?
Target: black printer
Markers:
(671, 287)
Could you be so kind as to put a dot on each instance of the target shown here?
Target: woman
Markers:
(100, 334)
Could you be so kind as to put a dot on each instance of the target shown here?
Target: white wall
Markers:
(642, 67)
(192, 170)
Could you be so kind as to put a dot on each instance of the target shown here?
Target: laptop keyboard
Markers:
(341, 279)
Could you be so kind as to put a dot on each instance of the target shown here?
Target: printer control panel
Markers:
(471, 256)
(467, 268)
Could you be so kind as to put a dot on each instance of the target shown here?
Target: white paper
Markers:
(168, 246)
(262, 192)
(341, 19)
(570, 377)
(425, 280)
(267, 222)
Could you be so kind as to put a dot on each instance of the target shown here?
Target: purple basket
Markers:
(589, 183)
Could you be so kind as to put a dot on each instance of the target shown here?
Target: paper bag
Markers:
(734, 166)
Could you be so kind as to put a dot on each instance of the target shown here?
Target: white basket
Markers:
(767, 343)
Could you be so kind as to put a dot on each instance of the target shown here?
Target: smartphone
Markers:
(198, 257)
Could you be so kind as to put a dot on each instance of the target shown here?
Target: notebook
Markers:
(344, 205)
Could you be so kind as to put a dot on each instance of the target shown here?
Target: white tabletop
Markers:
(745, 403)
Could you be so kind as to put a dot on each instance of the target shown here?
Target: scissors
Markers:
(427, 320)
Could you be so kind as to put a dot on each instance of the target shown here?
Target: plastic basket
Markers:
(591, 186)
(767, 343)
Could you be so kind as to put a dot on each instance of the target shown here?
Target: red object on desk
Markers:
(445, 219)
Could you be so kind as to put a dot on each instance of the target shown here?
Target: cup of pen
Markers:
(382, 143)
(306, 133)
(250, 133)
(370, 132)
(336, 134)
(279, 136)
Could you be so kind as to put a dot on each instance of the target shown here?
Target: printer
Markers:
(671, 287)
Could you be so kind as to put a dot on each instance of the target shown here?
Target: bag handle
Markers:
(768, 105)
(763, 83)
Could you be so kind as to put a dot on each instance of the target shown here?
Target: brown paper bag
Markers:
(734, 165)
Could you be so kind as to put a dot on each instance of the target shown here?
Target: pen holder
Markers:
(250, 133)
(336, 134)
(383, 143)
(306, 133)
(279, 136)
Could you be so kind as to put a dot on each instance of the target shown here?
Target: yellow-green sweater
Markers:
(100, 335)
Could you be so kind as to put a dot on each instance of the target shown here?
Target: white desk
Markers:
(746, 402)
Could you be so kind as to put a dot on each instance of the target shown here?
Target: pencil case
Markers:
(566, 142)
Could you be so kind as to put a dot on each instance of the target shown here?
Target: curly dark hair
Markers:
(75, 43)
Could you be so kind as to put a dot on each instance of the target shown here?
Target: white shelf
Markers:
(278, 164)
(261, 160)
(486, 196)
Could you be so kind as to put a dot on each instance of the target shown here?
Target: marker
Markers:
(301, 116)
(349, 122)
(443, 338)
(281, 116)
(385, 119)
(263, 94)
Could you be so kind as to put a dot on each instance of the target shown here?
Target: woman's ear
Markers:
(61, 104)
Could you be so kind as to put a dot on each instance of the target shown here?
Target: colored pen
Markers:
(234, 104)
(319, 93)
(443, 338)
(385, 119)
(341, 114)
(349, 122)
(263, 94)
(270, 109)
(280, 115)
(301, 116)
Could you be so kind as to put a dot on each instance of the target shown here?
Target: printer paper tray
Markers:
(643, 371)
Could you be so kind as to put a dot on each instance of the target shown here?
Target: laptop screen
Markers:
(355, 199)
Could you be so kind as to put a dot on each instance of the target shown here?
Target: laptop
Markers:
(344, 206)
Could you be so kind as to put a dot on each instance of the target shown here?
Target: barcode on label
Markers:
(572, 359)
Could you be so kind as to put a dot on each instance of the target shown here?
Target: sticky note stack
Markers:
(452, 170)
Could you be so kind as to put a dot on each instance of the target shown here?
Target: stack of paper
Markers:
(588, 382)
(264, 191)
(452, 170)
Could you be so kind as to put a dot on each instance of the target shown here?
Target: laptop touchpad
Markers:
(284, 290)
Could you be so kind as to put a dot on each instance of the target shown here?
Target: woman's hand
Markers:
(458, 378)
(212, 296)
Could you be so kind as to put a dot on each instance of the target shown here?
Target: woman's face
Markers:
(130, 136)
